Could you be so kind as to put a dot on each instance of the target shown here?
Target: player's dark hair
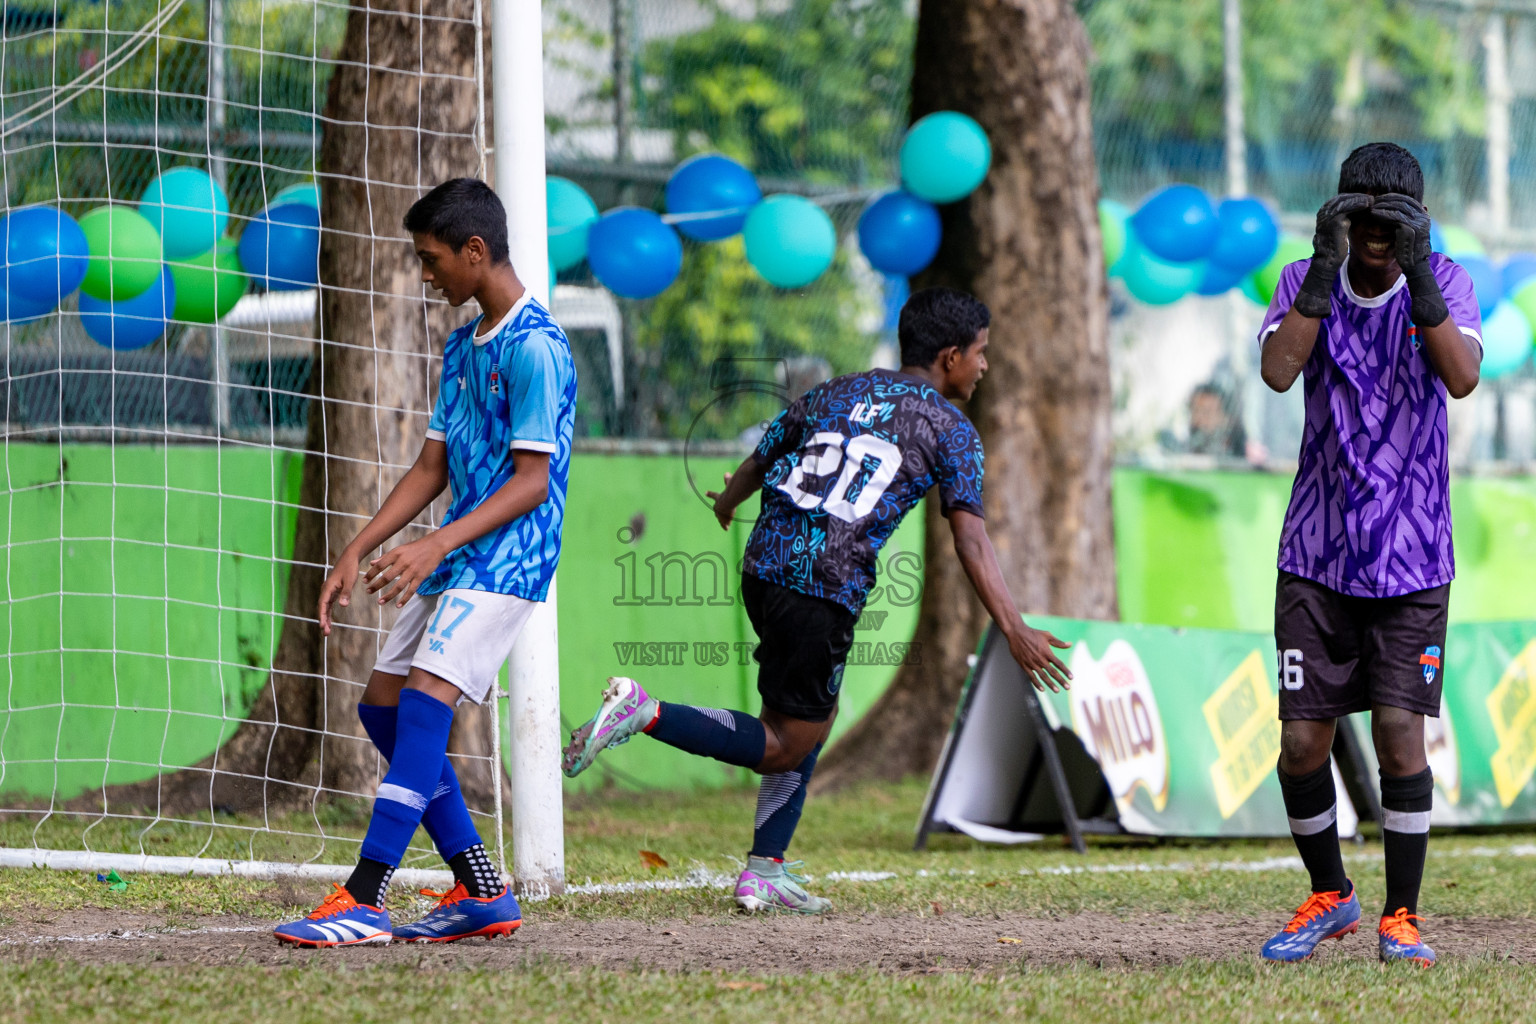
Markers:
(458, 210)
(938, 318)
(1377, 168)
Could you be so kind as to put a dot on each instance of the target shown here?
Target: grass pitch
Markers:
(1134, 930)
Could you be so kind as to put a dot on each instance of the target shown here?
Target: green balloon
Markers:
(1525, 301)
(208, 285)
(1267, 277)
(125, 253)
(1112, 218)
(1459, 241)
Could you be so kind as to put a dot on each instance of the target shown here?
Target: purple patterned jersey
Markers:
(1370, 511)
(845, 462)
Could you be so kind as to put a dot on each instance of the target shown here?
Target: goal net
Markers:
(168, 438)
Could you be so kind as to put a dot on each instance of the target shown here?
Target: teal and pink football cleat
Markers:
(627, 709)
(1398, 939)
(338, 921)
(769, 884)
(1323, 916)
(458, 915)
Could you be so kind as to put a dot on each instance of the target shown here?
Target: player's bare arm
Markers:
(739, 486)
(1455, 356)
(423, 482)
(1030, 647)
(397, 573)
(1287, 350)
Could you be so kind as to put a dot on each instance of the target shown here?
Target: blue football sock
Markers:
(446, 819)
(780, 799)
(734, 737)
(421, 746)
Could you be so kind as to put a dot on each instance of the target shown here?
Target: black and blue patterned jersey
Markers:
(846, 462)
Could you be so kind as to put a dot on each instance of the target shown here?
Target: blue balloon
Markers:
(1218, 279)
(1518, 269)
(711, 182)
(1247, 235)
(899, 233)
(18, 310)
(944, 157)
(1436, 237)
(1177, 224)
(1486, 281)
(280, 248)
(45, 256)
(790, 240)
(633, 252)
(570, 213)
(1155, 281)
(130, 323)
(188, 209)
(1506, 341)
(307, 192)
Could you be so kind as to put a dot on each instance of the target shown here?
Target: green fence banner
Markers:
(1175, 732)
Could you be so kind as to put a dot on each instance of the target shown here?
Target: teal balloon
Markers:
(1506, 341)
(1112, 225)
(306, 192)
(1250, 291)
(188, 209)
(571, 213)
(944, 157)
(1155, 281)
(790, 240)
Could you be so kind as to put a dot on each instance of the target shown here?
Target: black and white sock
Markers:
(474, 869)
(1312, 807)
(1405, 805)
(368, 882)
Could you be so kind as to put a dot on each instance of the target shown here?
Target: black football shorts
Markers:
(1339, 654)
(802, 645)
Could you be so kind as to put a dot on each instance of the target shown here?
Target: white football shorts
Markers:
(463, 636)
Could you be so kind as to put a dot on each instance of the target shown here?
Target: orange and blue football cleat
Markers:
(458, 915)
(338, 921)
(1323, 916)
(1398, 939)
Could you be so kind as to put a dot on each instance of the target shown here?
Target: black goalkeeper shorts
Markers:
(1339, 654)
(802, 645)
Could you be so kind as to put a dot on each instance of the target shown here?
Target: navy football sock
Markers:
(1312, 806)
(446, 819)
(780, 799)
(1406, 801)
(421, 747)
(734, 737)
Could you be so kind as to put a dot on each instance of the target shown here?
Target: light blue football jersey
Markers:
(513, 389)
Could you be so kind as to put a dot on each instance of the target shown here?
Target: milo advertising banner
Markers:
(1174, 732)
(1482, 748)
(1164, 732)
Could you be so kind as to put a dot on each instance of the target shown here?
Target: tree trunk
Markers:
(1027, 243)
(399, 118)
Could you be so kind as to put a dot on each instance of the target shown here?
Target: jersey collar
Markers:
(517, 307)
(1380, 300)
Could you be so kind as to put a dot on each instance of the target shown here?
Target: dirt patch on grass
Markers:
(761, 945)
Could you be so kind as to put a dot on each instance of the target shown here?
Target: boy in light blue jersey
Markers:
(500, 439)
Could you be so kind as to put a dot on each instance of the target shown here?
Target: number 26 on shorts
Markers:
(1290, 668)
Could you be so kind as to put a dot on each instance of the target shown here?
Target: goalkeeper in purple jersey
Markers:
(1381, 331)
(838, 470)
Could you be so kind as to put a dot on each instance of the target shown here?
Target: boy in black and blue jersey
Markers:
(838, 471)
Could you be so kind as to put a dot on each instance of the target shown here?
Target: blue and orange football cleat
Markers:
(458, 915)
(1323, 916)
(338, 921)
(1398, 939)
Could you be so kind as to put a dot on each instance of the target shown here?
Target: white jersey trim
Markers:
(501, 325)
(436, 435)
(535, 446)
